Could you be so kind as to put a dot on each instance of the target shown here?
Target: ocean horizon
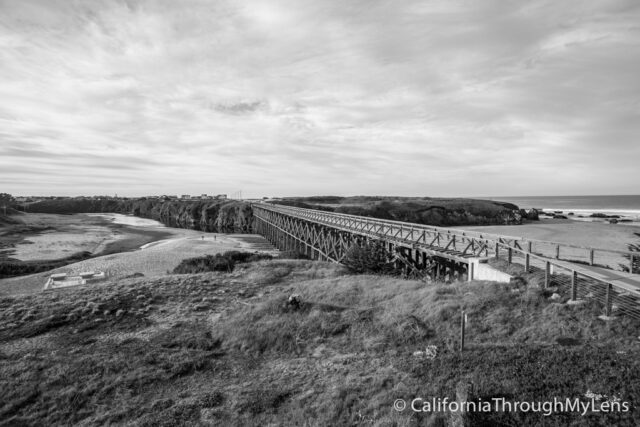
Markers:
(626, 206)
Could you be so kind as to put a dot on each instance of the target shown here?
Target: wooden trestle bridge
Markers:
(437, 253)
(327, 236)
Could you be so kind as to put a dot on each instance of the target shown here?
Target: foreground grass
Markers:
(228, 349)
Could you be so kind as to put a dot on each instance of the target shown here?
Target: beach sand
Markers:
(156, 259)
(597, 235)
(580, 233)
(51, 237)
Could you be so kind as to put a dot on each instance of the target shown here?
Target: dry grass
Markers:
(228, 349)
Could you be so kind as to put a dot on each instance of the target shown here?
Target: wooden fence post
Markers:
(463, 321)
(510, 256)
(607, 301)
(591, 256)
(497, 250)
(557, 251)
(547, 275)
(527, 262)
(574, 285)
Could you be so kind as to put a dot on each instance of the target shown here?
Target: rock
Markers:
(294, 301)
(555, 297)
(319, 351)
(532, 215)
(201, 307)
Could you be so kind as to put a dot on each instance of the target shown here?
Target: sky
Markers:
(306, 97)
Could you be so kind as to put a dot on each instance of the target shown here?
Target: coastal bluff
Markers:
(234, 216)
(222, 216)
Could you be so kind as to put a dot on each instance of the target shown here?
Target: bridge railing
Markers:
(570, 281)
(454, 243)
(612, 259)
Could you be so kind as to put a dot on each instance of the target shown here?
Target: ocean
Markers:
(627, 207)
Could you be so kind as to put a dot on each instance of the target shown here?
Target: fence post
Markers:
(510, 255)
(557, 251)
(574, 285)
(497, 250)
(631, 263)
(471, 268)
(529, 247)
(463, 321)
(607, 301)
(591, 257)
(547, 270)
(527, 262)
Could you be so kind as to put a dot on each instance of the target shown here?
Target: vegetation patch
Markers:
(296, 342)
(13, 267)
(225, 262)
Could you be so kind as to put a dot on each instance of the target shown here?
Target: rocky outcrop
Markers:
(530, 215)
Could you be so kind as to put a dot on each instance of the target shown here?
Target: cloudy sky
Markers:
(292, 97)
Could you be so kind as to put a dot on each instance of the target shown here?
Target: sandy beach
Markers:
(597, 235)
(50, 236)
(581, 233)
(155, 259)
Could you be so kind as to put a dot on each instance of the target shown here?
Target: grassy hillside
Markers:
(229, 349)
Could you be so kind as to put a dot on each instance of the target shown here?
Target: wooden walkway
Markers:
(619, 279)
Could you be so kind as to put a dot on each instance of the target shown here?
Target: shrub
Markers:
(238, 256)
(204, 264)
(372, 257)
(218, 262)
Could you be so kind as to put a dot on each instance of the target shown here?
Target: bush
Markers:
(204, 264)
(238, 256)
(219, 262)
(372, 257)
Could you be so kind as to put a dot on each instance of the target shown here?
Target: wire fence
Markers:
(569, 284)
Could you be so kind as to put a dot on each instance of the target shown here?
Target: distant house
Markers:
(185, 197)
(221, 196)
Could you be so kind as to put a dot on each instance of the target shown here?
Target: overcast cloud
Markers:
(278, 97)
